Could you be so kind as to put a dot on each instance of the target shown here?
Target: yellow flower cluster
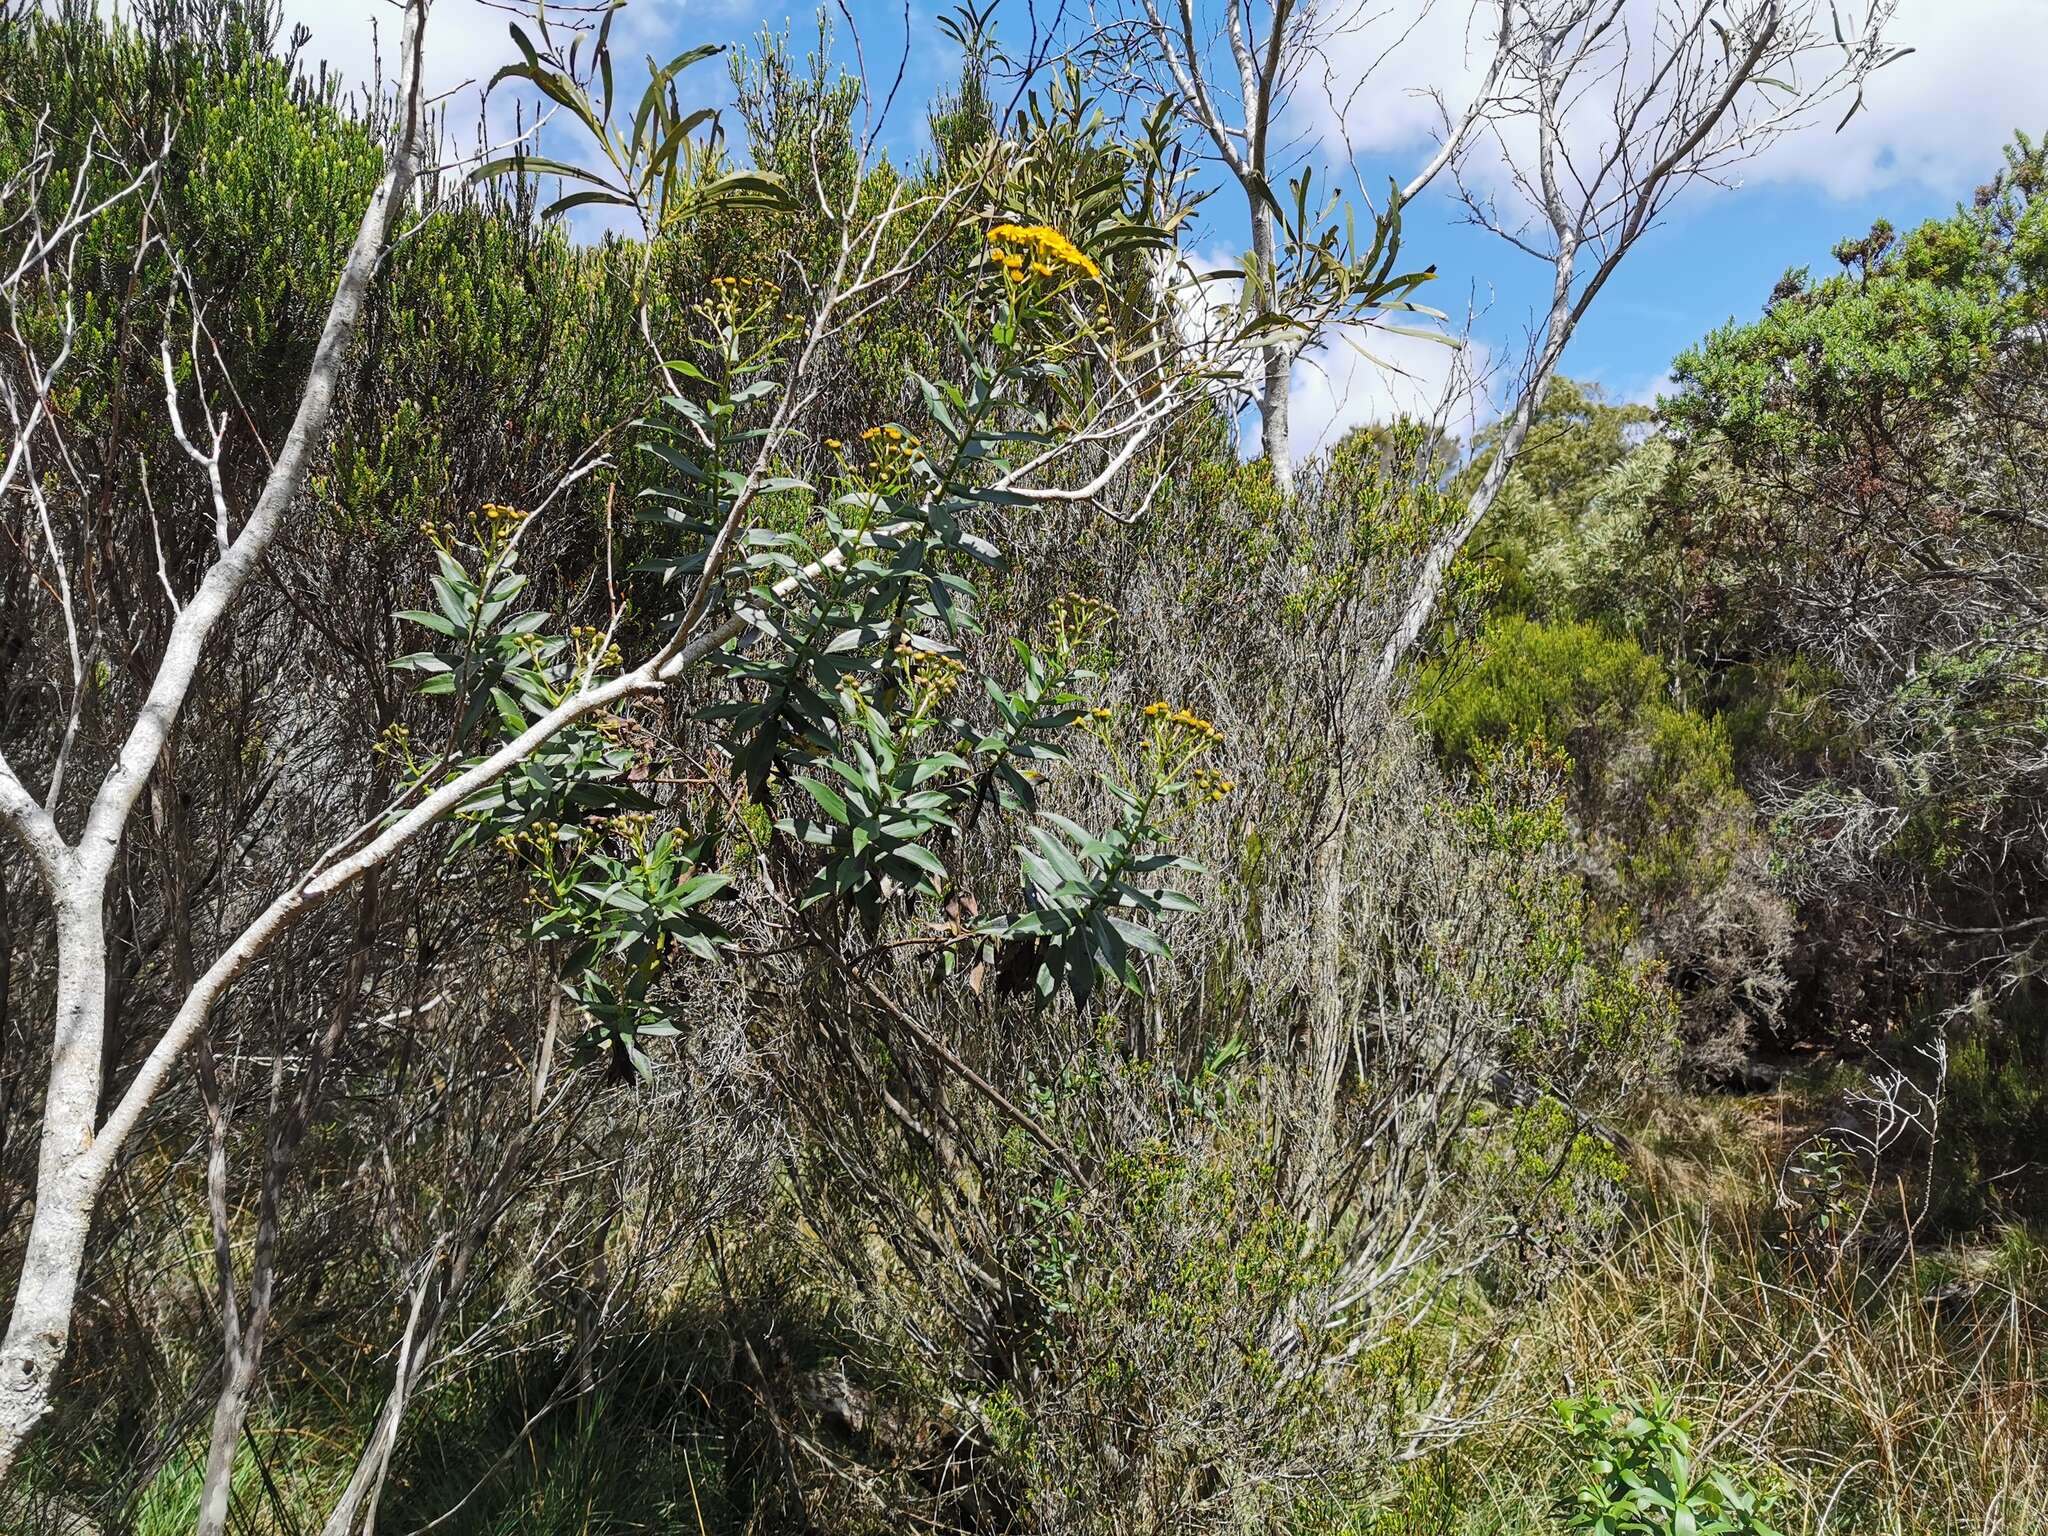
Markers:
(631, 828)
(1209, 784)
(536, 846)
(930, 675)
(1037, 250)
(499, 522)
(891, 449)
(1187, 720)
(585, 638)
(540, 834)
(1078, 622)
(739, 302)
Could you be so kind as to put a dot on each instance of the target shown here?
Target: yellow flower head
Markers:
(892, 452)
(1209, 785)
(1037, 250)
(1183, 727)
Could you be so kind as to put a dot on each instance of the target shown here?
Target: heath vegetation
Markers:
(690, 847)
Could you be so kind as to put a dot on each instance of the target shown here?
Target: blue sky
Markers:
(1933, 131)
(1715, 258)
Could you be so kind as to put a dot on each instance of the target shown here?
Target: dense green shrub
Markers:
(1649, 780)
(1849, 468)
(1666, 835)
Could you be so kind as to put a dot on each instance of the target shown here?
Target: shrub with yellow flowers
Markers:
(861, 710)
(1092, 899)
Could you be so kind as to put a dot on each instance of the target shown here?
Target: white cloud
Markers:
(1378, 83)
(1356, 376)
(1935, 119)
(466, 41)
(1938, 118)
(1361, 376)
(1656, 389)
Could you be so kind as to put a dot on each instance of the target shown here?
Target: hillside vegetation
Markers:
(785, 895)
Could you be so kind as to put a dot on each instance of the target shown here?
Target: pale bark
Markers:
(244, 1334)
(1276, 417)
(415, 1348)
(1428, 585)
(1268, 55)
(76, 1155)
(1682, 119)
(40, 1326)
(443, 1277)
(1276, 366)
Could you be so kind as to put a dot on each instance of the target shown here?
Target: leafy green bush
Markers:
(1648, 776)
(1636, 1474)
(1868, 604)
(1666, 834)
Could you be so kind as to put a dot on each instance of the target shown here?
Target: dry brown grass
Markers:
(1888, 1391)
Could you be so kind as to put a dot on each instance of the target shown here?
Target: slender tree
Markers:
(1235, 74)
(78, 1147)
(1604, 111)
